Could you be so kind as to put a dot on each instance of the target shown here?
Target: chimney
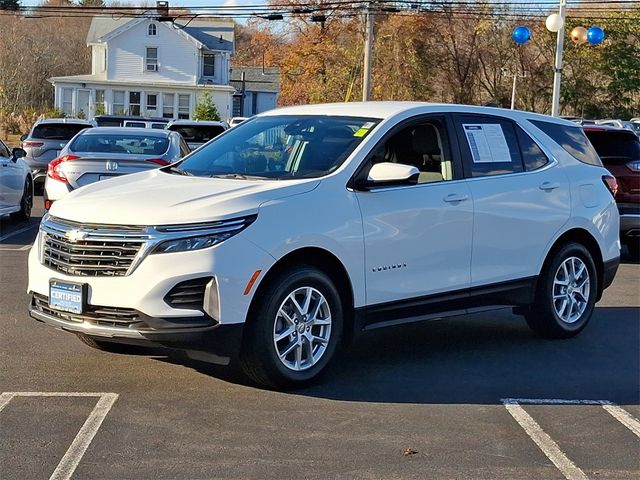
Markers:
(162, 10)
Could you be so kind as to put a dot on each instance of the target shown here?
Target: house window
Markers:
(152, 103)
(67, 101)
(134, 103)
(208, 65)
(152, 59)
(184, 106)
(152, 30)
(100, 102)
(118, 102)
(167, 105)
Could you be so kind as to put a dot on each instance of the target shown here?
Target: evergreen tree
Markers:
(206, 109)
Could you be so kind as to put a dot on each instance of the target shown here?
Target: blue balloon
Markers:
(595, 35)
(521, 34)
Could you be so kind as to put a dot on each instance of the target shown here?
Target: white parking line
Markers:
(83, 439)
(546, 443)
(624, 418)
(17, 232)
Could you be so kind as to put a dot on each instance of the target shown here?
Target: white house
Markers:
(144, 66)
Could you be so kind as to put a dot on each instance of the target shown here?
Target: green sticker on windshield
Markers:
(364, 129)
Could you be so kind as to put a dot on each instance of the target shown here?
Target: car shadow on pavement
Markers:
(480, 359)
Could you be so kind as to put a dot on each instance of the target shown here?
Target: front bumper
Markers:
(208, 336)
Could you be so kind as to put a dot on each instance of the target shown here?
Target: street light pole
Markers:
(368, 47)
(557, 74)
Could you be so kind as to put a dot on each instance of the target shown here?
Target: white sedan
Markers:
(16, 184)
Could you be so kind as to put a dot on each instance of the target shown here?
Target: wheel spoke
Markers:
(322, 321)
(320, 340)
(284, 334)
(298, 363)
(286, 316)
(289, 349)
(307, 301)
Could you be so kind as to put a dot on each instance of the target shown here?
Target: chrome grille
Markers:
(99, 250)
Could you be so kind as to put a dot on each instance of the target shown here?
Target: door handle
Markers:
(548, 186)
(455, 197)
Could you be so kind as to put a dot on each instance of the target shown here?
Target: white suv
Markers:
(288, 235)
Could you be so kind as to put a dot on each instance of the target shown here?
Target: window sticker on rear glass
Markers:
(364, 129)
(487, 143)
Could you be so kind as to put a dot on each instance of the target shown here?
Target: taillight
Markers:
(32, 144)
(47, 204)
(53, 169)
(611, 183)
(158, 161)
(634, 166)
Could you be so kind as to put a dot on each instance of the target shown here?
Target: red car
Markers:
(620, 153)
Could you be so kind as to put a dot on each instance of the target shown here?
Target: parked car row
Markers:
(290, 234)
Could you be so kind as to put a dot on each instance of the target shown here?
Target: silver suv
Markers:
(46, 139)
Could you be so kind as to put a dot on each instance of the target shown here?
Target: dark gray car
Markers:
(104, 152)
(46, 140)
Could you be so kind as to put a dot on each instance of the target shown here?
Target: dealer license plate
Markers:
(65, 296)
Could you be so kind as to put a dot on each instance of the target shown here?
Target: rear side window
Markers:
(615, 148)
(490, 145)
(51, 131)
(532, 156)
(572, 140)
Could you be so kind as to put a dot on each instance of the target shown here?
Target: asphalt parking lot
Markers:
(476, 397)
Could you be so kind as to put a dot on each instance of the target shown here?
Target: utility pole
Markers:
(515, 75)
(368, 54)
(557, 73)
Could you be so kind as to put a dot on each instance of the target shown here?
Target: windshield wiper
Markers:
(180, 171)
(239, 176)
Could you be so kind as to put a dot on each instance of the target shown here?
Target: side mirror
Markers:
(17, 153)
(388, 174)
(23, 137)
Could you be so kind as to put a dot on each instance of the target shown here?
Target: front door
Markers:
(417, 237)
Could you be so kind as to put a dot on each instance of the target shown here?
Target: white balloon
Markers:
(554, 22)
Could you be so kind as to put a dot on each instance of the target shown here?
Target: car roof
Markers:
(77, 121)
(210, 123)
(149, 132)
(385, 110)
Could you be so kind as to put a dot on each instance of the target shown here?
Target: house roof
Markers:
(257, 79)
(210, 33)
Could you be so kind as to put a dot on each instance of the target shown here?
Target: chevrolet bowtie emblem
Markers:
(75, 235)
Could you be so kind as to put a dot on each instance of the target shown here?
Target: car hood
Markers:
(159, 198)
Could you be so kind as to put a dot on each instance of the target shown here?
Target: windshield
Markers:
(114, 143)
(280, 147)
(198, 133)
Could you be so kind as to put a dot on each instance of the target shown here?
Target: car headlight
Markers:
(198, 236)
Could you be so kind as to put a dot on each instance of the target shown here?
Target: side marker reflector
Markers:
(253, 279)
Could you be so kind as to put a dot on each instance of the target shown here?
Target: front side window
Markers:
(152, 59)
(571, 139)
(120, 143)
(167, 105)
(4, 150)
(489, 145)
(424, 145)
(208, 65)
(280, 147)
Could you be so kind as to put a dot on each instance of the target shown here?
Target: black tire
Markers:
(112, 347)
(26, 202)
(542, 317)
(259, 359)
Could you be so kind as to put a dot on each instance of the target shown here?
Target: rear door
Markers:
(521, 198)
